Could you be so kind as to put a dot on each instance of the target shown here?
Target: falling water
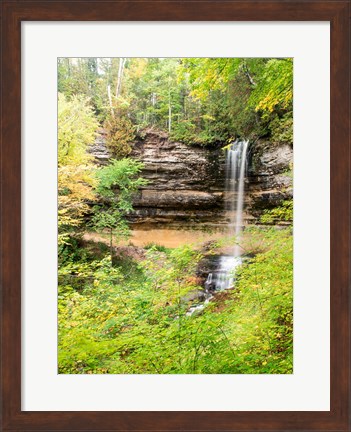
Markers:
(236, 166)
(223, 277)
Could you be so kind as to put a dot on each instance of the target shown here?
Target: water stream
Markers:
(236, 168)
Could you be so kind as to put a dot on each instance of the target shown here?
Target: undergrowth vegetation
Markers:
(130, 315)
(282, 213)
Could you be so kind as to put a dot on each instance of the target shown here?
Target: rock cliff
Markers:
(270, 177)
(186, 183)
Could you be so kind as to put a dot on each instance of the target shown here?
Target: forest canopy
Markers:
(204, 101)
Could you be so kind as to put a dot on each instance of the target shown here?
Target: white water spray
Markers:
(236, 167)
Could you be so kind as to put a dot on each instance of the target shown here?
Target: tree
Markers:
(77, 126)
(258, 92)
(202, 101)
(122, 62)
(120, 131)
(274, 89)
(87, 77)
(154, 93)
(117, 183)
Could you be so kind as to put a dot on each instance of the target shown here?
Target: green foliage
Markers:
(133, 319)
(203, 101)
(72, 252)
(282, 129)
(157, 98)
(281, 213)
(156, 247)
(121, 175)
(117, 183)
(211, 125)
(81, 77)
(76, 130)
(275, 86)
(253, 93)
(265, 318)
(110, 218)
(273, 99)
(210, 74)
(120, 132)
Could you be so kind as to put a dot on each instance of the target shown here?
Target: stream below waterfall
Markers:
(223, 277)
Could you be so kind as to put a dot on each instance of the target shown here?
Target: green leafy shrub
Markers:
(117, 183)
(120, 133)
(281, 213)
(155, 246)
(282, 129)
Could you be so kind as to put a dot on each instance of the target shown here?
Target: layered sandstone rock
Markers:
(186, 183)
(270, 179)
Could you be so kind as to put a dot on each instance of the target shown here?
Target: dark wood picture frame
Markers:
(16, 11)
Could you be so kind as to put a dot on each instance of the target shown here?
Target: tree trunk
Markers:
(122, 62)
(247, 73)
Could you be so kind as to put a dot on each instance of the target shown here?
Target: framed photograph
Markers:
(175, 215)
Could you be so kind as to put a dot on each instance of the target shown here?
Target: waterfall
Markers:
(236, 166)
(223, 277)
(208, 283)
